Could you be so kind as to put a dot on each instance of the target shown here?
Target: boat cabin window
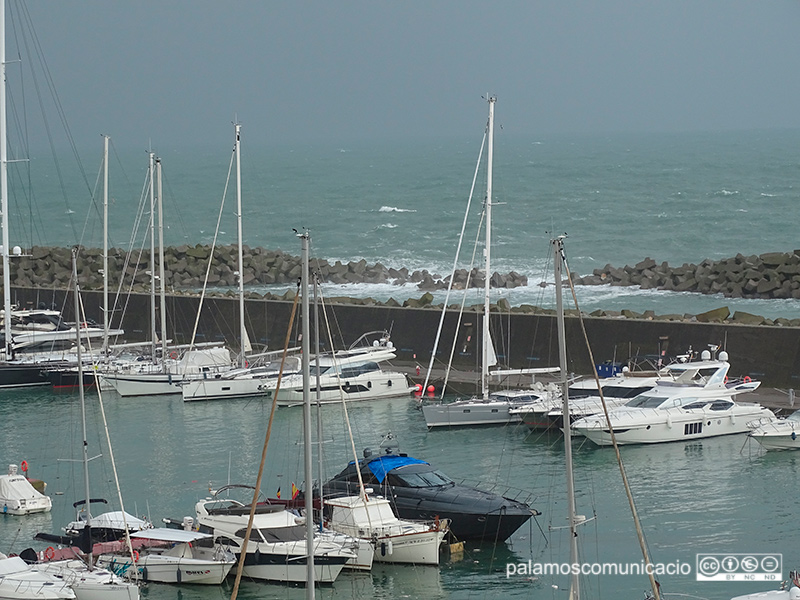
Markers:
(697, 404)
(512, 399)
(419, 480)
(357, 370)
(646, 401)
(721, 405)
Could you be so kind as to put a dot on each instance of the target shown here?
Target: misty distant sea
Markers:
(679, 197)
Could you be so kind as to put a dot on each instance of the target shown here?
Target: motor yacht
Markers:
(277, 547)
(419, 491)
(697, 403)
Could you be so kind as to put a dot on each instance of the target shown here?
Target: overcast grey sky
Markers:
(341, 70)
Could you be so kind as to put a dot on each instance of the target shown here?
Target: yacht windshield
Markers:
(274, 535)
(645, 401)
(418, 480)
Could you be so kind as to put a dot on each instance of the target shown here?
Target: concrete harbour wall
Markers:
(768, 353)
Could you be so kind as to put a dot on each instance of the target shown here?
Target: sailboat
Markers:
(243, 380)
(164, 372)
(488, 409)
(87, 581)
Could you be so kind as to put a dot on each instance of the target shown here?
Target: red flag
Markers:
(295, 491)
(279, 493)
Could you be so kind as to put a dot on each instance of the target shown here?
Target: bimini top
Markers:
(381, 465)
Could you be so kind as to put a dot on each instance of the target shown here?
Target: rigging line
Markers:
(243, 553)
(59, 110)
(455, 264)
(640, 533)
(129, 252)
(211, 252)
(171, 197)
(461, 308)
(93, 207)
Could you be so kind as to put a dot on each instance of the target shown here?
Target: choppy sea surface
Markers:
(678, 198)
(722, 495)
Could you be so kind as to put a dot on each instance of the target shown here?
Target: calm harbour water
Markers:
(719, 495)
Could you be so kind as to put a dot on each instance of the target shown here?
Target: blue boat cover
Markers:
(383, 464)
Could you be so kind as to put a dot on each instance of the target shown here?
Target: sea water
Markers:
(677, 198)
(721, 495)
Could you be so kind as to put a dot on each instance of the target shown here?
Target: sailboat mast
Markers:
(558, 257)
(153, 332)
(85, 444)
(162, 283)
(487, 340)
(306, 348)
(242, 330)
(105, 245)
(4, 185)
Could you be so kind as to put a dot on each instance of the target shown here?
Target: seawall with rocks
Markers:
(185, 269)
(773, 275)
(770, 275)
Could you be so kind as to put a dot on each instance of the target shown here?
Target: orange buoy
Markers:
(24, 466)
(430, 389)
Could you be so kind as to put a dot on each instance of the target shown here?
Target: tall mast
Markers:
(153, 332)
(306, 345)
(487, 340)
(162, 283)
(558, 259)
(85, 444)
(105, 245)
(242, 330)
(4, 184)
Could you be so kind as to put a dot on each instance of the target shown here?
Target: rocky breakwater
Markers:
(185, 269)
(771, 275)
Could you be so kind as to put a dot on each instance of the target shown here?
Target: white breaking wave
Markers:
(395, 209)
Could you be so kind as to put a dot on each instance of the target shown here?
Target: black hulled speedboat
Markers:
(418, 490)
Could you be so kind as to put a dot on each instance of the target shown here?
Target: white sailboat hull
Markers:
(144, 385)
(468, 413)
(222, 389)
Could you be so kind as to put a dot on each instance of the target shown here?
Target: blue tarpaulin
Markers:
(383, 464)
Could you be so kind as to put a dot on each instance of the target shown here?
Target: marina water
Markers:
(716, 495)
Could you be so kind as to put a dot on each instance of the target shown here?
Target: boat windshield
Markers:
(620, 391)
(795, 416)
(646, 401)
(274, 535)
(419, 480)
